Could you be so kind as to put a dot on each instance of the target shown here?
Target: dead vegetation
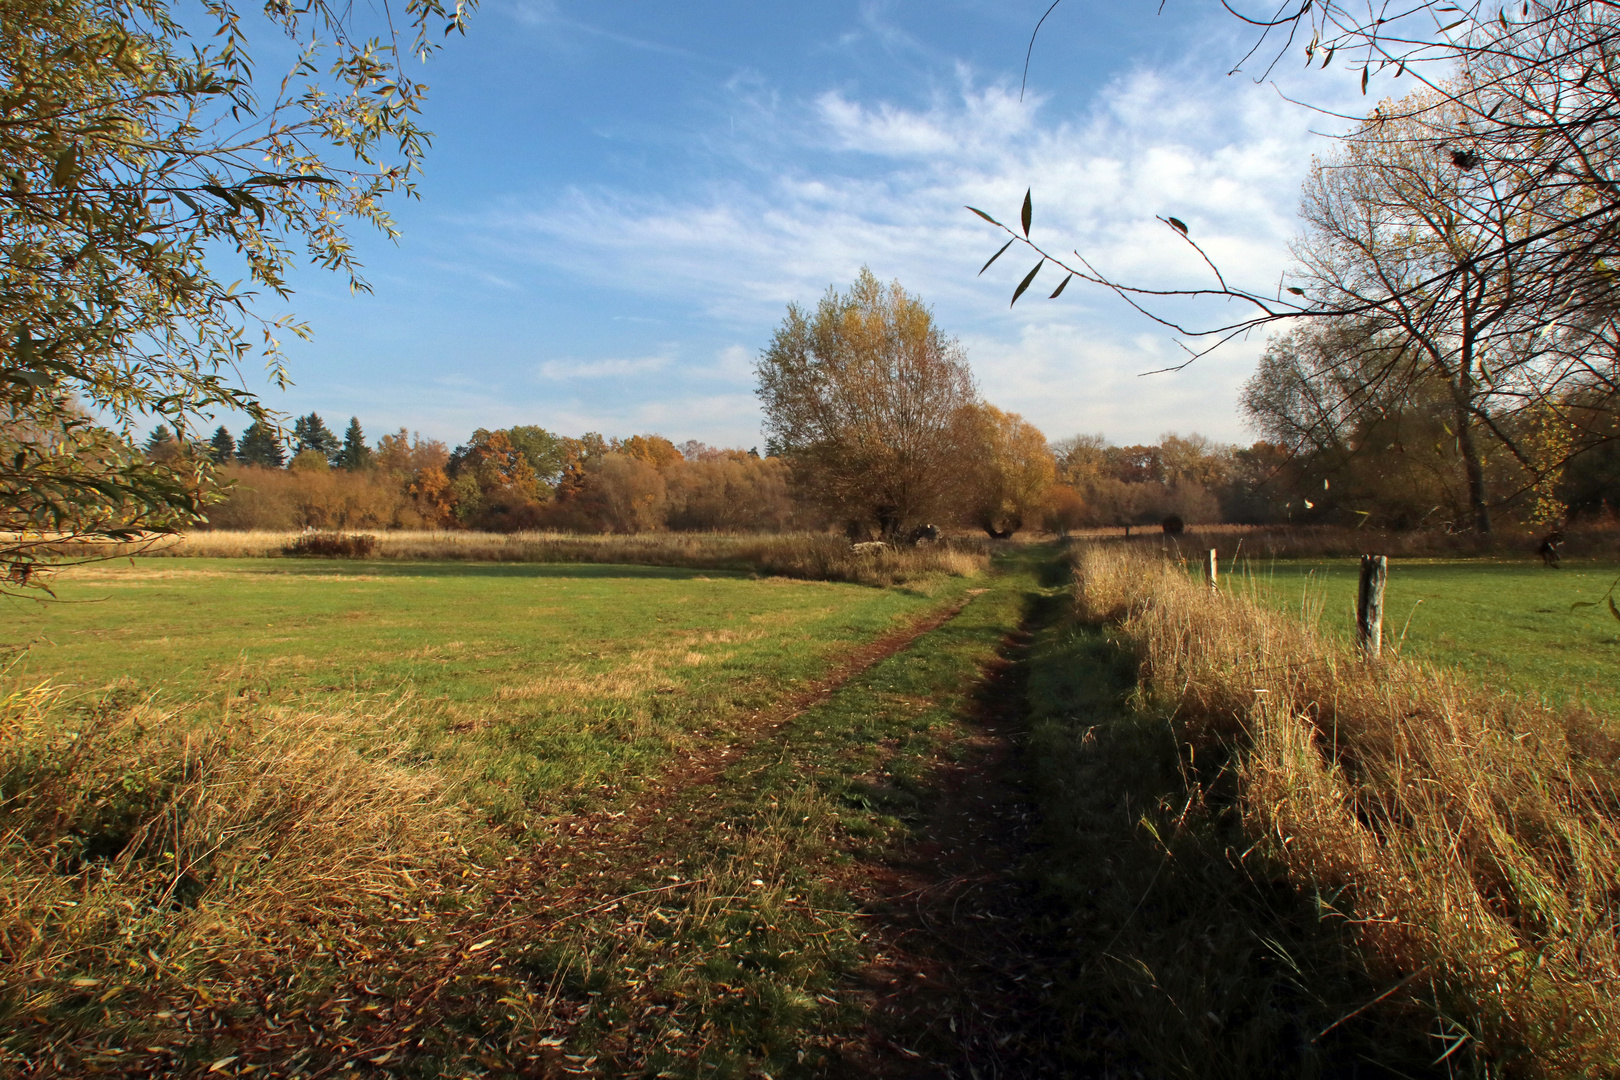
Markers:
(1468, 838)
(807, 556)
(158, 864)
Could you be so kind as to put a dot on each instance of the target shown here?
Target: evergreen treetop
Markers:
(354, 454)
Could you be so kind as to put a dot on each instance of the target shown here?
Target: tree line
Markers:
(1448, 347)
(875, 427)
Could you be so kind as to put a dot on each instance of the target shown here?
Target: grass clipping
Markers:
(165, 857)
(1469, 838)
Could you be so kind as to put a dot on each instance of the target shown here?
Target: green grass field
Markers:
(1508, 623)
(668, 888)
(539, 679)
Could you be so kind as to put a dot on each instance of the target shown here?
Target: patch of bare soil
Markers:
(956, 988)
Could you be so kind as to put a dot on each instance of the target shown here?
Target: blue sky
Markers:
(623, 197)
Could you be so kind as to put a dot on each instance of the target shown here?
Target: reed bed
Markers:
(1469, 839)
(810, 556)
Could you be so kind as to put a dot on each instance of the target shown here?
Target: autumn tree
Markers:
(1009, 470)
(141, 152)
(866, 397)
(728, 491)
(1424, 249)
(623, 493)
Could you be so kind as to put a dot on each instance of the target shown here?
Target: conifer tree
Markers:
(157, 443)
(261, 445)
(354, 454)
(311, 433)
(222, 447)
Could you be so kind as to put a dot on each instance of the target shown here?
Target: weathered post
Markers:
(1370, 605)
(1211, 569)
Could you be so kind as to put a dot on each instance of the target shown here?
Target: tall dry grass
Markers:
(1586, 539)
(811, 556)
(159, 861)
(1469, 838)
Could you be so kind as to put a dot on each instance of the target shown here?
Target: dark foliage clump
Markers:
(333, 545)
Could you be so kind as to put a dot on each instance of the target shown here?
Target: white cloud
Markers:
(874, 183)
(607, 368)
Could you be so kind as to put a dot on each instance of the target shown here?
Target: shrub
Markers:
(333, 545)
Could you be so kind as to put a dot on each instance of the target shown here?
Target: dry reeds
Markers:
(180, 856)
(1587, 539)
(1470, 838)
(809, 556)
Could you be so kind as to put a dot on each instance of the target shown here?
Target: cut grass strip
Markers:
(748, 958)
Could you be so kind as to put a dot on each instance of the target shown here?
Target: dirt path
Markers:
(954, 986)
(958, 986)
(951, 984)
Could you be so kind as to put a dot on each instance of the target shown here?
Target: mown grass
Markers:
(1510, 624)
(755, 968)
(270, 819)
(532, 680)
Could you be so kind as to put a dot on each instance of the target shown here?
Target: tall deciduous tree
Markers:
(139, 150)
(1424, 250)
(1011, 471)
(866, 398)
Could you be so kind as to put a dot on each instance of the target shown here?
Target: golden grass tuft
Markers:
(180, 855)
(1470, 838)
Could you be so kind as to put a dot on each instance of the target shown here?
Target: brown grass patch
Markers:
(805, 556)
(157, 861)
(1469, 837)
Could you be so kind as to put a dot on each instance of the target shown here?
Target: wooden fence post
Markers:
(1370, 605)
(1211, 568)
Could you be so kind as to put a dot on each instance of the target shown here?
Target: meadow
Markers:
(815, 556)
(279, 816)
(241, 798)
(559, 675)
(1509, 624)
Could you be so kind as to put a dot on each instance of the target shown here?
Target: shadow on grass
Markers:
(1181, 952)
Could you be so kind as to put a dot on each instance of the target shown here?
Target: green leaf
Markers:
(996, 256)
(1022, 285)
(1581, 604)
(1029, 209)
(987, 217)
(65, 172)
(1060, 287)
